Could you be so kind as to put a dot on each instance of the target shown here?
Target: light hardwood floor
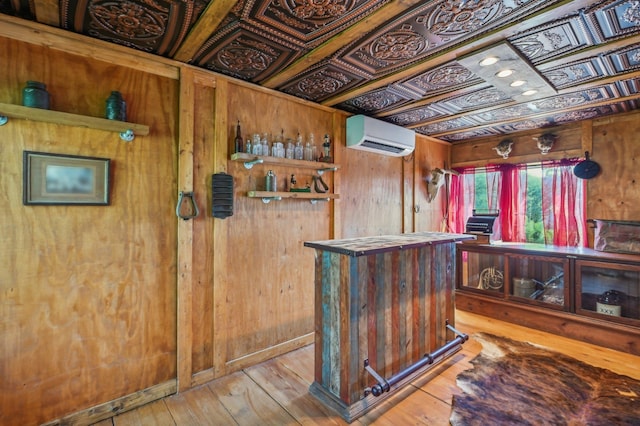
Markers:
(275, 392)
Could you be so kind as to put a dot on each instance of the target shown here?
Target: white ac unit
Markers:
(370, 134)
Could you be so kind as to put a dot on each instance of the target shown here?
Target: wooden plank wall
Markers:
(109, 307)
(87, 293)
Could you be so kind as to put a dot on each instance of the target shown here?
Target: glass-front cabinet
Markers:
(539, 279)
(522, 278)
(608, 291)
(481, 272)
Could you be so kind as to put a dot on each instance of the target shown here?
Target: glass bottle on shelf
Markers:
(257, 145)
(238, 141)
(298, 152)
(265, 144)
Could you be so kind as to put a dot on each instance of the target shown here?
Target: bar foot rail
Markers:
(384, 385)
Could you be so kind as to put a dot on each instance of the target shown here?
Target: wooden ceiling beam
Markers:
(208, 22)
(337, 42)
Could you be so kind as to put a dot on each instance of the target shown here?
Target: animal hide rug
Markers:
(516, 383)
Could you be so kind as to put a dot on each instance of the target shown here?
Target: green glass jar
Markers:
(35, 95)
(116, 107)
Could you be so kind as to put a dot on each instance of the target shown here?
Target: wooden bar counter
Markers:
(384, 300)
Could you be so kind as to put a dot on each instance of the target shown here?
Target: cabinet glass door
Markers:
(609, 291)
(481, 272)
(539, 279)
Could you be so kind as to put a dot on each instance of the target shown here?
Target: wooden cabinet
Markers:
(580, 293)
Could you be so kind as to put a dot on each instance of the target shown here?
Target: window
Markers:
(539, 203)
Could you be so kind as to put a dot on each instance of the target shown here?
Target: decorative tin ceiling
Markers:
(407, 62)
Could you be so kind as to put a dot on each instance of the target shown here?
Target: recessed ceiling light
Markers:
(504, 73)
(490, 60)
(518, 83)
(529, 92)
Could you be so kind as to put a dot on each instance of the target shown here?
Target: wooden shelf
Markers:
(249, 160)
(311, 196)
(127, 130)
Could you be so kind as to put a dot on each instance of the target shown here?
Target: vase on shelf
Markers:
(35, 95)
(116, 107)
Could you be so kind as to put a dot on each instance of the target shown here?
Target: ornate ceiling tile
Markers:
(469, 134)
(320, 83)
(508, 113)
(482, 98)
(416, 115)
(151, 26)
(445, 126)
(571, 100)
(625, 60)
(576, 73)
(528, 124)
(629, 87)
(446, 78)
(612, 20)
(552, 40)
(377, 100)
(587, 113)
(306, 22)
(428, 28)
(244, 55)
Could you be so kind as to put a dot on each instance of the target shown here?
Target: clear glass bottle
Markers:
(298, 153)
(265, 144)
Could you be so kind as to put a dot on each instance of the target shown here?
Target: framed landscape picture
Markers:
(65, 179)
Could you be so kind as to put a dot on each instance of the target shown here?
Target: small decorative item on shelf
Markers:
(270, 182)
(326, 150)
(116, 107)
(238, 140)
(35, 95)
(610, 303)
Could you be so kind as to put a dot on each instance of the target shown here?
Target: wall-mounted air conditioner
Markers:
(370, 134)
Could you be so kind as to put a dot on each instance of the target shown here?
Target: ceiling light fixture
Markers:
(518, 83)
(484, 64)
(504, 73)
(489, 60)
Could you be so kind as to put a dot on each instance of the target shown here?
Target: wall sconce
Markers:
(504, 148)
(545, 142)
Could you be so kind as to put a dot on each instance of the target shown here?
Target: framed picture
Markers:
(65, 179)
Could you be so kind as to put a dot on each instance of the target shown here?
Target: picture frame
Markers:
(65, 179)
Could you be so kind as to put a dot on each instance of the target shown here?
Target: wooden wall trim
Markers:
(117, 406)
(58, 39)
(185, 233)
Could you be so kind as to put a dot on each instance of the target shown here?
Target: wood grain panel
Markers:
(480, 152)
(91, 291)
(263, 298)
(429, 155)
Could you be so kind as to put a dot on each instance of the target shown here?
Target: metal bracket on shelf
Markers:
(315, 200)
(250, 164)
(267, 200)
(3, 120)
(128, 135)
(326, 169)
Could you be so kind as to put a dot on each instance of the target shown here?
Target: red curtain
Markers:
(563, 201)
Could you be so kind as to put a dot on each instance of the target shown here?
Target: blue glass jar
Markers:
(35, 95)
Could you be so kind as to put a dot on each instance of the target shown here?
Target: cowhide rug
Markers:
(516, 383)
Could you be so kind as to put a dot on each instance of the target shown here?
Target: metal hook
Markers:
(194, 206)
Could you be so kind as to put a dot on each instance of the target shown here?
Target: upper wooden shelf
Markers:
(127, 130)
(249, 160)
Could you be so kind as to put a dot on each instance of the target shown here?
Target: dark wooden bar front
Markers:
(383, 299)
